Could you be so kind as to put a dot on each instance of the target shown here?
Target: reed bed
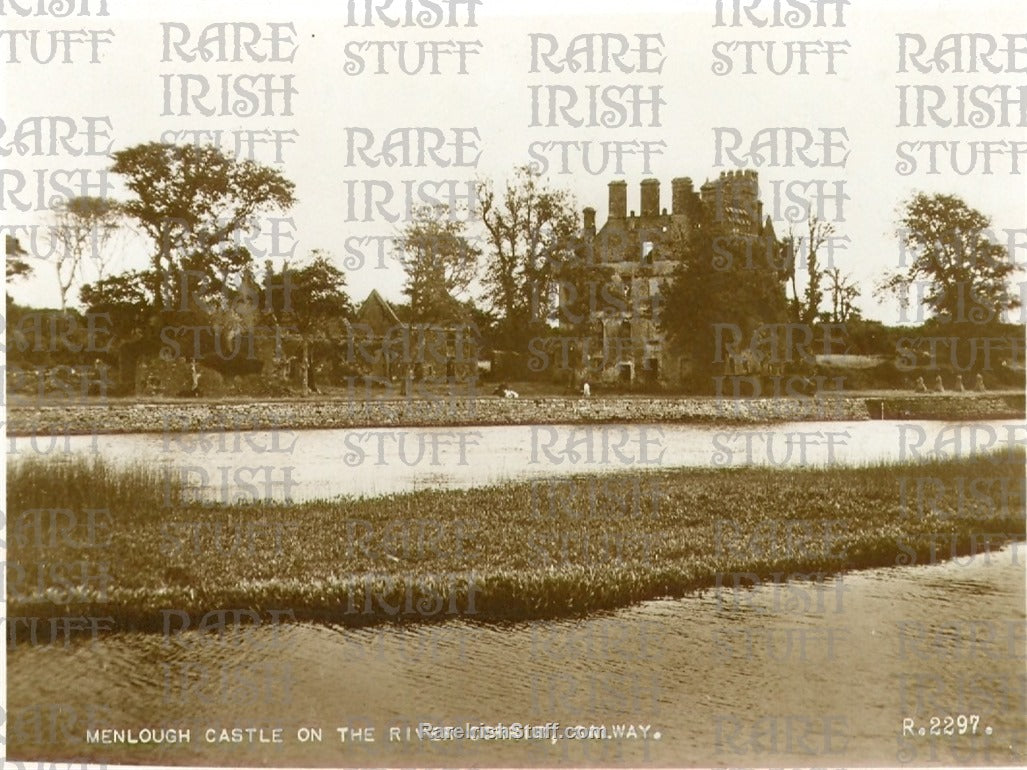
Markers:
(551, 548)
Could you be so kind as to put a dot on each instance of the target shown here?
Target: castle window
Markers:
(647, 252)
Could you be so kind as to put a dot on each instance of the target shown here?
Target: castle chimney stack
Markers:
(590, 222)
(682, 191)
(618, 199)
(650, 197)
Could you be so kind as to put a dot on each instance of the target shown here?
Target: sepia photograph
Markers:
(514, 384)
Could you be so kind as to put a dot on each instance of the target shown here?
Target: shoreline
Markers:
(326, 414)
(349, 604)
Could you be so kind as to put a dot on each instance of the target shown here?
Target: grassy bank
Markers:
(517, 551)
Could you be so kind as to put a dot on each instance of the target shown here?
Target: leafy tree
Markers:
(16, 266)
(126, 298)
(82, 227)
(440, 264)
(193, 202)
(718, 282)
(529, 228)
(310, 299)
(868, 337)
(964, 273)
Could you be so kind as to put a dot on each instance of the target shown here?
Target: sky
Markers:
(334, 105)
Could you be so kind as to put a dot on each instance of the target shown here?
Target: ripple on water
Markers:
(710, 675)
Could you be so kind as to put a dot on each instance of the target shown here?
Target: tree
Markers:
(82, 227)
(719, 290)
(125, 298)
(963, 273)
(529, 227)
(16, 266)
(193, 202)
(818, 232)
(126, 301)
(440, 264)
(843, 294)
(311, 297)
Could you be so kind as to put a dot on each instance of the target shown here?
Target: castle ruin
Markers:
(643, 250)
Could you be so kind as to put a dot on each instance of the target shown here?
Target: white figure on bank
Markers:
(586, 390)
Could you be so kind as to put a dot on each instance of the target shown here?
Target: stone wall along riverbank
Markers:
(78, 419)
(188, 416)
(939, 406)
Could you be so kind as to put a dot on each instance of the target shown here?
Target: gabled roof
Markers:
(377, 301)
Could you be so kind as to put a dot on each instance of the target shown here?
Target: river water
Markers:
(805, 674)
(820, 674)
(239, 465)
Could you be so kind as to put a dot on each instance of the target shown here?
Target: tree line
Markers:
(523, 251)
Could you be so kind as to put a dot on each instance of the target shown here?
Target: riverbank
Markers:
(512, 552)
(91, 418)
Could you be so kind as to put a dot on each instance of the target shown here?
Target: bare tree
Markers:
(818, 232)
(843, 293)
(82, 229)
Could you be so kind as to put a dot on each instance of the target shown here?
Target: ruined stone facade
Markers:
(643, 249)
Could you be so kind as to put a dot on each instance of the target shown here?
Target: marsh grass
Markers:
(81, 482)
(528, 550)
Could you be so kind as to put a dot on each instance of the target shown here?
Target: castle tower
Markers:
(733, 201)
